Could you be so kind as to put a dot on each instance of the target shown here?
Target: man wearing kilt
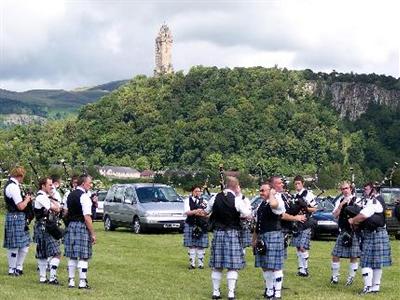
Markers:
(269, 232)
(347, 243)
(375, 252)
(47, 248)
(305, 201)
(226, 250)
(16, 233)
(79, 235)
(195, 235)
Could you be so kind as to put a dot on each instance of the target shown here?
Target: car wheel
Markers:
(108, 225)
(397, 236)
(137, 226)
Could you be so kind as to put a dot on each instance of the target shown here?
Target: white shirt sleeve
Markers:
(210, 204)
(42, 201)
(86, 204)
(186, 206)
(337, 203)
(310, 199)
(281, 205)
(13, 191)
(65, 197)
(371, 208)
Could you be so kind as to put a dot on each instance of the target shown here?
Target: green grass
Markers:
(154, 266)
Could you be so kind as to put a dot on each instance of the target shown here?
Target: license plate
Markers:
(326, 223)
(172, 225)
(388, 213)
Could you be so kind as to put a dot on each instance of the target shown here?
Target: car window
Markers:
(102, 196)
(390, 195)
(157, 194)
(325, 205)
(130, 194)
(110, 194)
(119, 194)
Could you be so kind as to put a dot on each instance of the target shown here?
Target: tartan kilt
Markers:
(302, 239)
(189, 241)
(375, 251)
(275, 254)
(346, 252)
(226, 250)
(245, 237)
(46, 245)
(15, 235)
(77, 241)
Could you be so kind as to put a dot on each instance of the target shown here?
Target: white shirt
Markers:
(371, 208)
(65, 197)
(42, 200)
(186, 204)
(309, 198)
(57, 195)
(13, 191)
(281, 205)
(85, 202)
(246, 203)
(239, 205)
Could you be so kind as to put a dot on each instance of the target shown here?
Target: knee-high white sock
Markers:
(231, 278)
(216, 277)
(54, 263)
(192, 256)
(22, 252)
(335, 269)
(353, 269)
(42, 266)
(305, 255)
(200, 256)
(72, 265)
(367, 276)
(12, 259)
(83, 268)
(278, 275)
(376, 279)
(300, 260)
(269, 282)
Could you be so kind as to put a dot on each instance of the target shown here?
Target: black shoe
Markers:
(349, 281)
(86, 287)
(54, 282)
(191, 267)
(19, 272)
(216, 297)
(201, 267)
(43, 282)
(266, 295)
(365, 291)
(232, 298)
(301, 274)
(334, 280)
(11, 273)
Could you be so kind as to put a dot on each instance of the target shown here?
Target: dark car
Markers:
(325, 222)
(391, 195)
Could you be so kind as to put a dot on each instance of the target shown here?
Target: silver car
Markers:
(143, 206)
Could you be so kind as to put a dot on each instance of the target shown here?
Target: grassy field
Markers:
(154, 266)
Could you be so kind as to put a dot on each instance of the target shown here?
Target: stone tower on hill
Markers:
(163, 52)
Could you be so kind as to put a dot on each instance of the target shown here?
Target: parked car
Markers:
(325, 222)
(391, 195)
(143, 206)
(100, 209)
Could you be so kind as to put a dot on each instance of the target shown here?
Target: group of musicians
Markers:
(48, 210)
(362, 227)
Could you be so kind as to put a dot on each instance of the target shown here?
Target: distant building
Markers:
(147, 174)
(163, 52)
(119, 172)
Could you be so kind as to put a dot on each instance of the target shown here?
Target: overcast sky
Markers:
(76, 43)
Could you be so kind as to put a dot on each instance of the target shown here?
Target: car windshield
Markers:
(157, 194)
(390, 195)
(325, 205)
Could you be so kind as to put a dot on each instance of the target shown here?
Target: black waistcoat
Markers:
(195, 220)
(10, 204)
(266, 219)
(344, 216)
(75, 212)
(224, 213)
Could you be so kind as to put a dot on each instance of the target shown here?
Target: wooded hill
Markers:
(249, 119)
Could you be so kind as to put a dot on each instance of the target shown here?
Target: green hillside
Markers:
(250, 119)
